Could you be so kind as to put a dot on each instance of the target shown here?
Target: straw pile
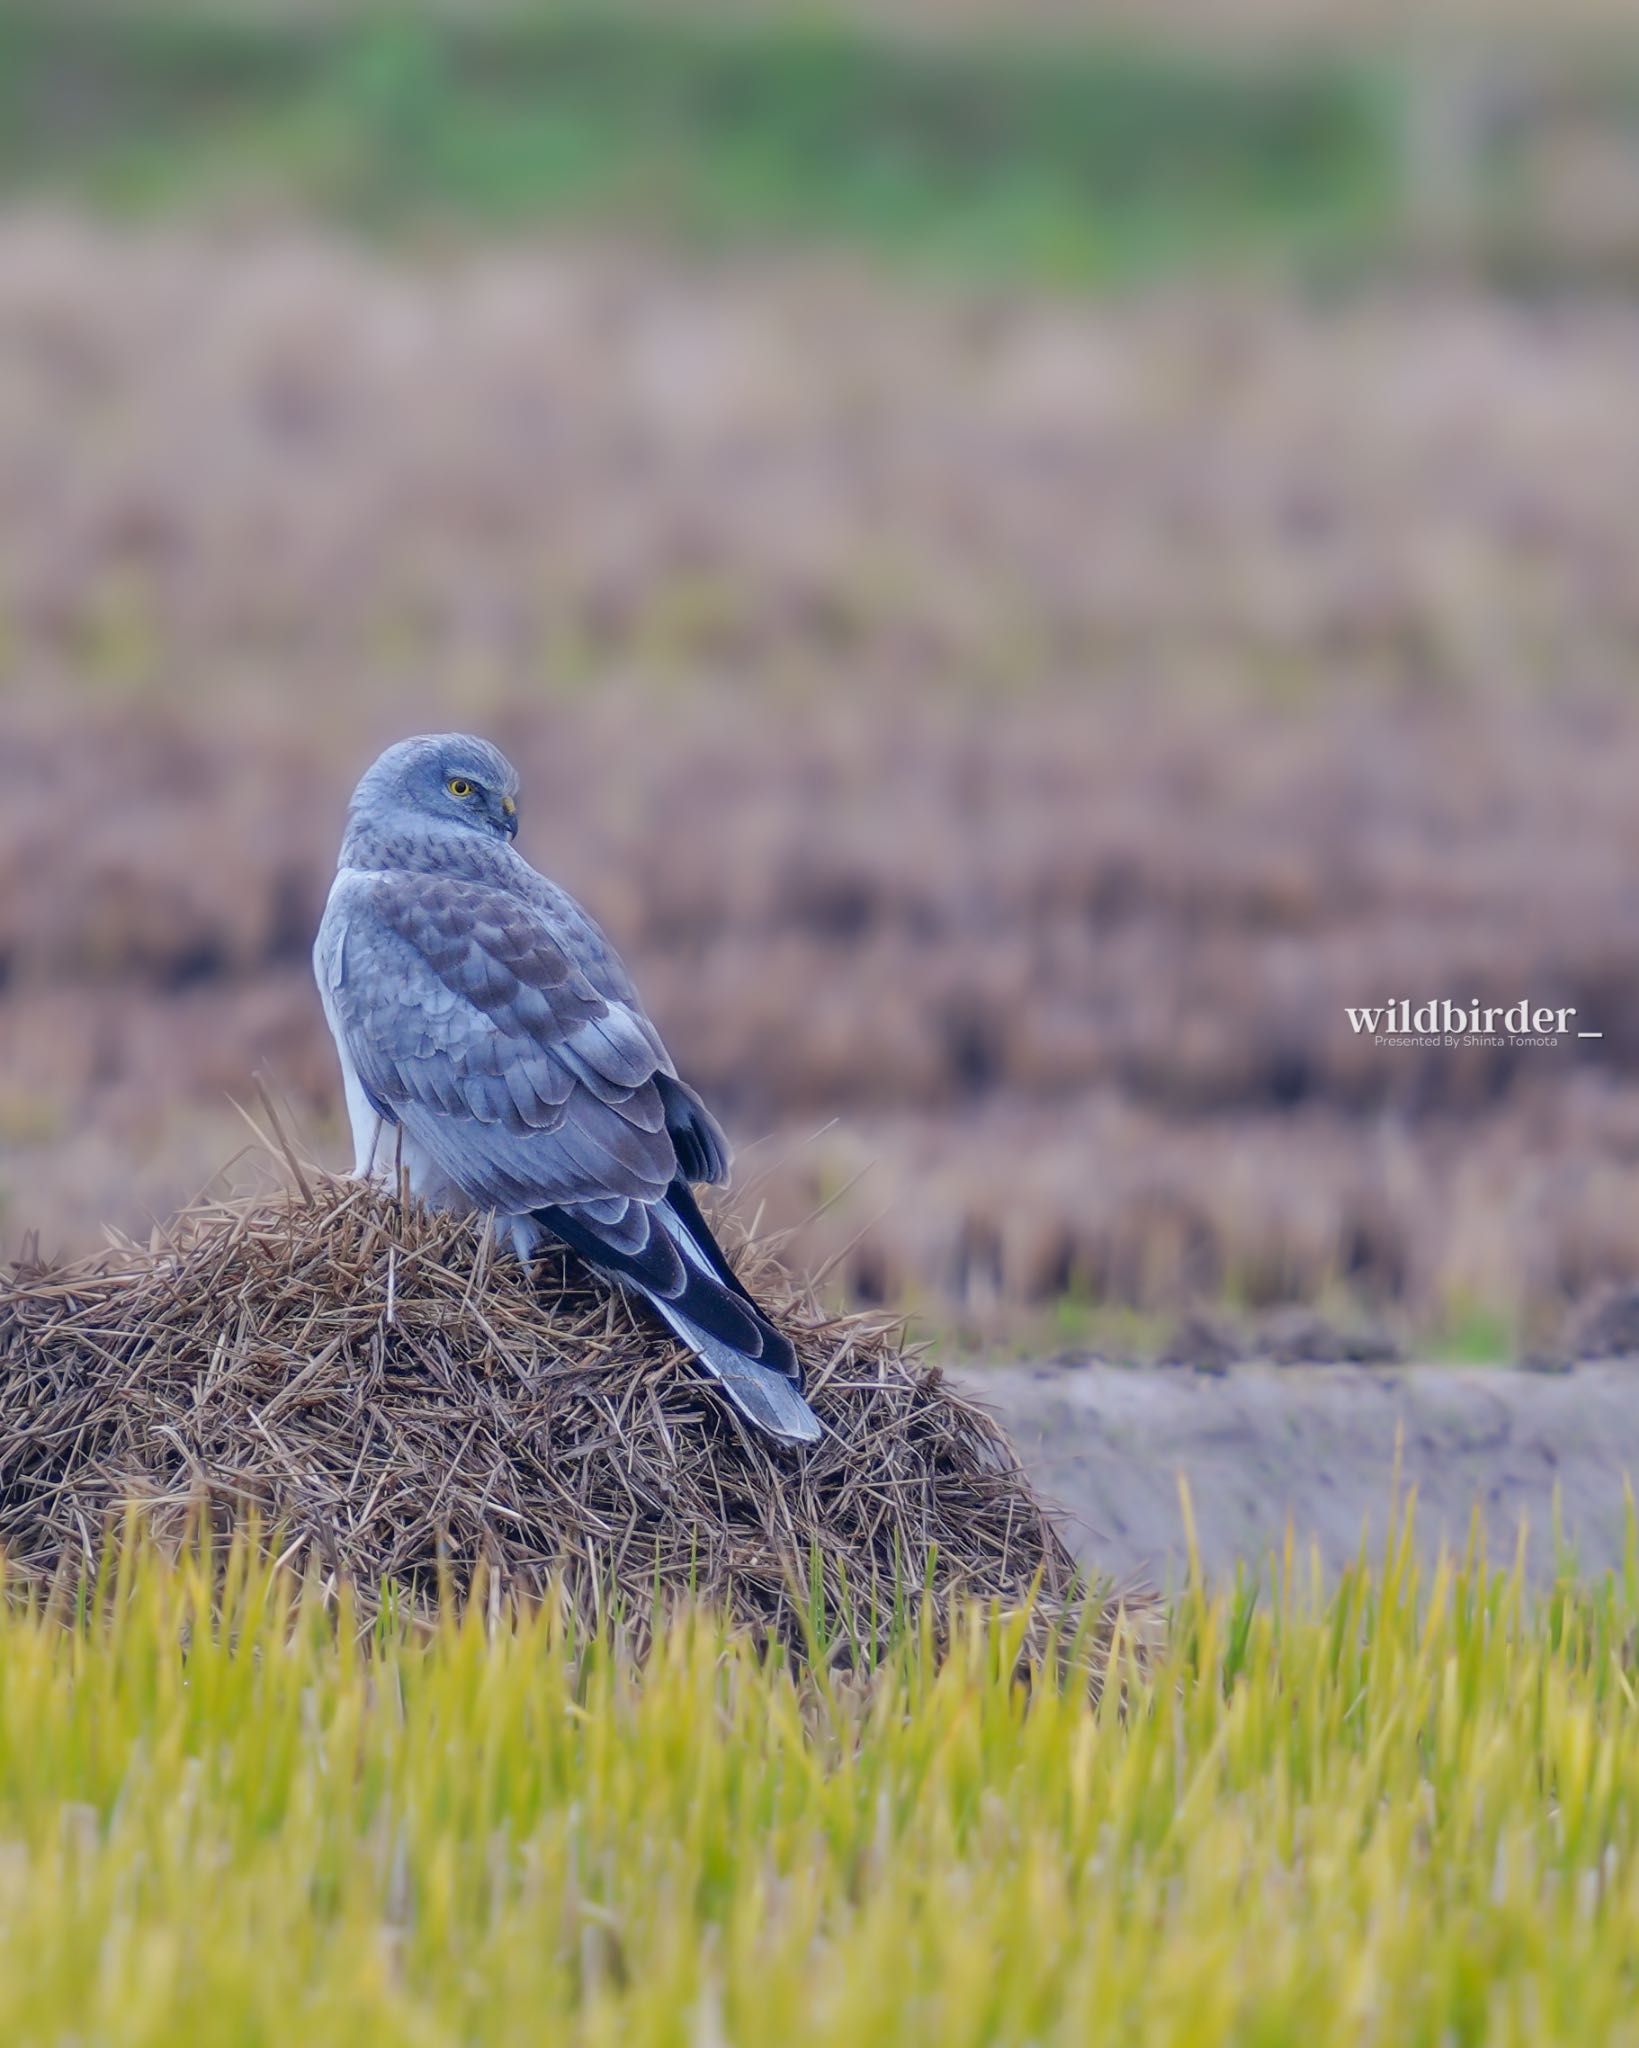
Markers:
(400, 1403)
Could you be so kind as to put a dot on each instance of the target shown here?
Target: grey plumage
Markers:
(493, 1046)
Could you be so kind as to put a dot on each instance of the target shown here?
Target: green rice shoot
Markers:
(1401, 1809)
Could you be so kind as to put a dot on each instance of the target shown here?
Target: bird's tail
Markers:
(764, 1394)
(764, 1397)
(678, 1268)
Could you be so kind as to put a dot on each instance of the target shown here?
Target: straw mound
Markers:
(399, 1401)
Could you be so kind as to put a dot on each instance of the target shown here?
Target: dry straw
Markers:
(408, 1408)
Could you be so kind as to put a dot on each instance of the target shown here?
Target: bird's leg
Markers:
(364, 1153)
(367, 1125)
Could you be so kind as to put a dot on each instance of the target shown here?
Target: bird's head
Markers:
(449, 779)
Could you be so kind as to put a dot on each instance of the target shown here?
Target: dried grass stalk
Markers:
(405, 1406)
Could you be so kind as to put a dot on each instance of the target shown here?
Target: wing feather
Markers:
(471, 1024)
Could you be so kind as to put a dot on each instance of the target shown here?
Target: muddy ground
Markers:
(1318, 1446)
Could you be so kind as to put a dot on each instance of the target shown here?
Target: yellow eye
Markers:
(458, 785)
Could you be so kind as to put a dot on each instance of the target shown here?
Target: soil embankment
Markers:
(1318, 1446)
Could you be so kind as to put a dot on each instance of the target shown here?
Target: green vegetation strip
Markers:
(1082, 163)
(1403, 1811)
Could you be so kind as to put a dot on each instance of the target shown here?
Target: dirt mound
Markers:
(401, 1403)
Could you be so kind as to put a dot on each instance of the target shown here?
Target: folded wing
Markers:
(471, 1023)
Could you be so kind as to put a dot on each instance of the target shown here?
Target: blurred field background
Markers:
(1027, 560)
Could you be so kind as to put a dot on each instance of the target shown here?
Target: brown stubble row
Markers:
(1091, 1046)
(1015, 732)
(272, 462)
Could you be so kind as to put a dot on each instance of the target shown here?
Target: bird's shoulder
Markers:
(489, 937)
(584, 938)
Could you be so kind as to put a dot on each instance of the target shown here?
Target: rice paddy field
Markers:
(1403, 1810)
(1029, 560)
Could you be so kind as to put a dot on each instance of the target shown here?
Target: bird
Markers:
(494, 1051)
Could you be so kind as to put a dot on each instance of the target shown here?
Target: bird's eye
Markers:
(458, 785)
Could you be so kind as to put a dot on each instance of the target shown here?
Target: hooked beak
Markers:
(509, 817)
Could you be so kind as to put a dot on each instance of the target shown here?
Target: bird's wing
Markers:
(702, 1150)
(470, 1023)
